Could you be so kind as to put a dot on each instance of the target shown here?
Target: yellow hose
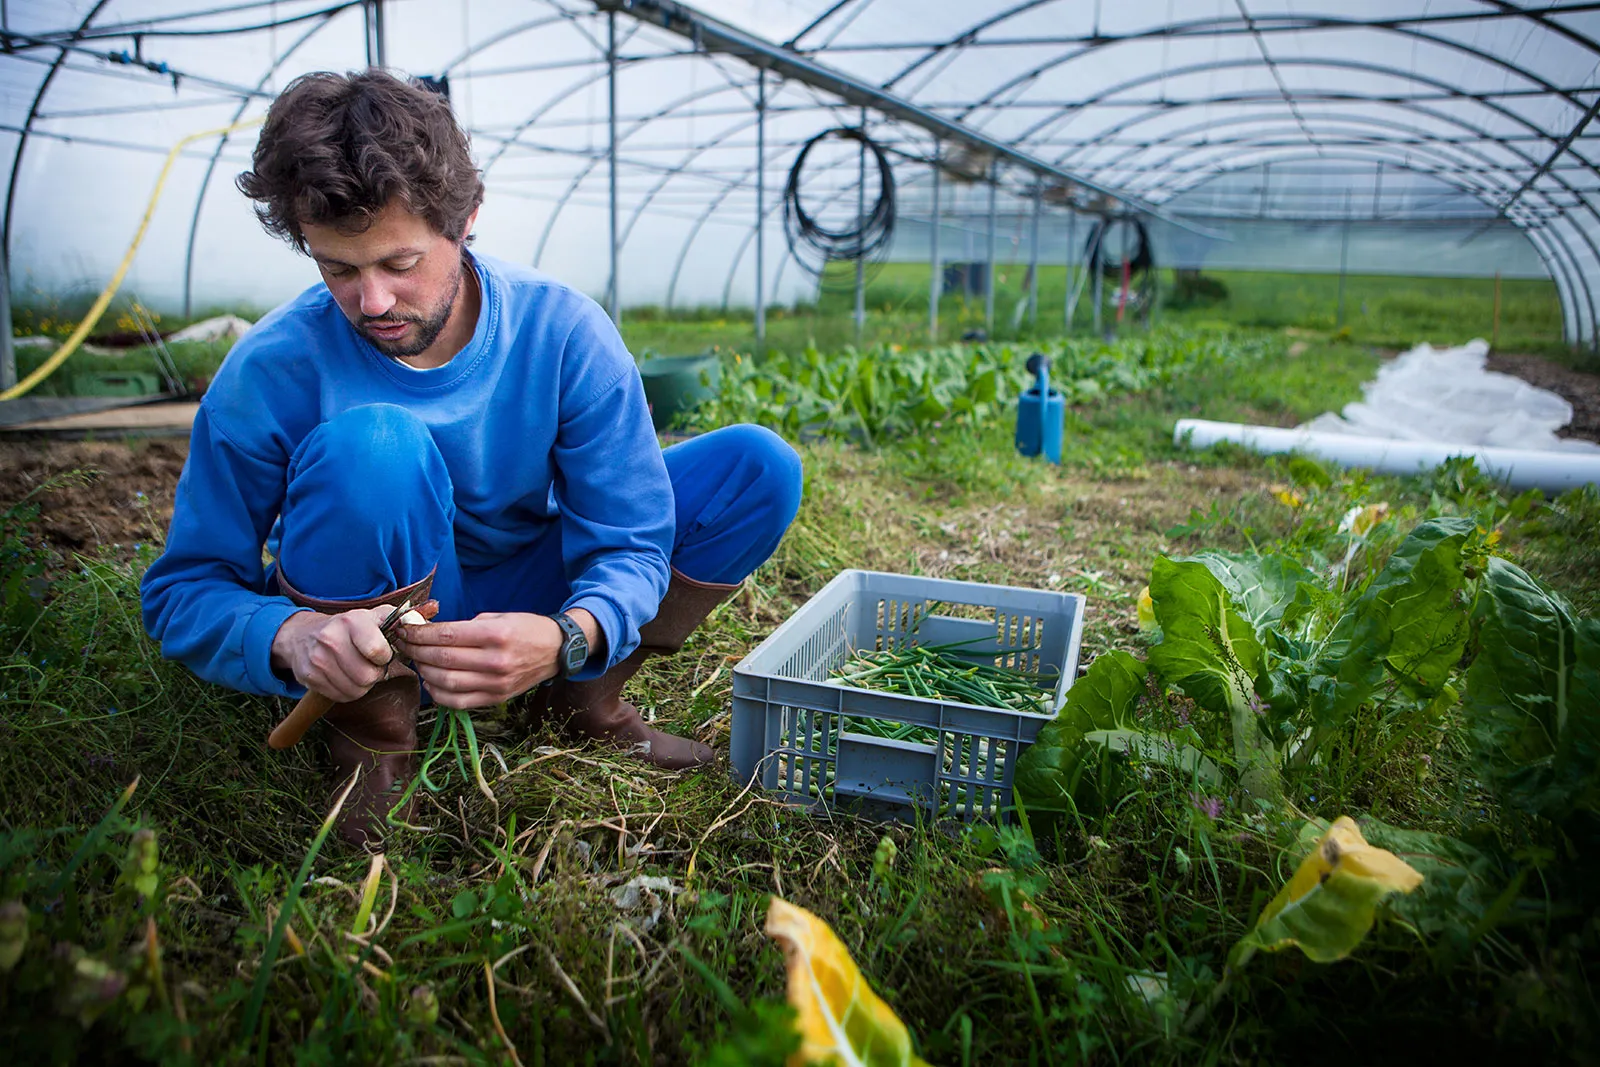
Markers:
(104, 301)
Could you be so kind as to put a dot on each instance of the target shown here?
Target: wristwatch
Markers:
(574, 645)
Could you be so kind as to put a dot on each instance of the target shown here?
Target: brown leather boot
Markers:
(595, 709)
(378, 732)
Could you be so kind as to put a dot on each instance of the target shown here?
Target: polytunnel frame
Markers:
(1256, 27)
(1561, 259)
(1563, 144)
(1551, 258)
(1542, 218)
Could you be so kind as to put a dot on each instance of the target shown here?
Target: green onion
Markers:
(938, 672)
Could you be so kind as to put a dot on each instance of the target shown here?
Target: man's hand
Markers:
(340, 656)
(490, 658)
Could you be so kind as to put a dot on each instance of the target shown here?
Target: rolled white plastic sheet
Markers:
(1449, 395)
(1551, 471)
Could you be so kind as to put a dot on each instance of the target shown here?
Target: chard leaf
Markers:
(1207, 649)
(1051, 769)
(1330, 903)
(1212, 653)
(1313, 611)
(842, 1022)
(1261, 587)
(1533, 697)
(1413, 620)
(1459, 881)
(1164, 749)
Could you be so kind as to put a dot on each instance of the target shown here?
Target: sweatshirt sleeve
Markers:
(612, 488)
(202, 598)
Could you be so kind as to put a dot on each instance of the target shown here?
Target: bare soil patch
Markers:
(122, 498)
(1580, 390)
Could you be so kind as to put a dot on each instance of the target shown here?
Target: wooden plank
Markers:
(141, 419)
(26, 409)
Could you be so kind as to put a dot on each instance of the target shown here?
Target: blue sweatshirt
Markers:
(541, 418)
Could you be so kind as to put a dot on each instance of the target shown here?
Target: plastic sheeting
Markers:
(1449, 396)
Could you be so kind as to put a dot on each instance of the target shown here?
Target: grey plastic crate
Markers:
(792, 727)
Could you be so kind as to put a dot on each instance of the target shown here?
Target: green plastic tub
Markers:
(115, 383)
(675, 385)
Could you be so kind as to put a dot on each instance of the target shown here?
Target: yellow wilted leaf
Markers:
(1329, 904)
(1147, 610)
(1288, 497)
(1359, 520)
(841, 1020)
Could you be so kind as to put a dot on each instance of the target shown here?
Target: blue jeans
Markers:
(369, 510)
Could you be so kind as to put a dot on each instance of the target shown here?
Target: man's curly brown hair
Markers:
(337, 148)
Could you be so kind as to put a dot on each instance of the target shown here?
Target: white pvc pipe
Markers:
(1522, 468)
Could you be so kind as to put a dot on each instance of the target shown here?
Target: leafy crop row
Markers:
(881, 392)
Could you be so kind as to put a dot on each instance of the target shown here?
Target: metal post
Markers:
(1098, 278)
(613, 293)
(372, 20)
(1344, 259)
(1494, 330)
(936, 276)
(761, 211)
(1068, 304)
(8, 354)
(861, 221)
(988, 289)
(1266, 176)
(1033, 257)
(1377, 192)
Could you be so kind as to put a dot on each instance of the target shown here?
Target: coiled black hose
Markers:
(867, 238)
(1141, 263)
(1095, 251)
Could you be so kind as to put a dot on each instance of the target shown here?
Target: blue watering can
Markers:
(1040, 413)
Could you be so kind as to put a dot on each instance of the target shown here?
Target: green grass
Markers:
(522, 889)
(1395, 312)
(1382, 311)
(1282, 392)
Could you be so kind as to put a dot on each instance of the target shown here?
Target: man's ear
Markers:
(466, 231)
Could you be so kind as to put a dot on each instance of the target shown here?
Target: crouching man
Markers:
(431, 423)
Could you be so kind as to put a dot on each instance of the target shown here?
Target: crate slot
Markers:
(883, 769)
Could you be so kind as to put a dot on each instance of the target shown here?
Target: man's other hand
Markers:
(490, 658)
(340, 656)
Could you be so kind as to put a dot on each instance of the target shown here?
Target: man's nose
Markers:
(376, 298)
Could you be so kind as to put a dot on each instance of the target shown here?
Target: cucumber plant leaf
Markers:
(841, 1021)
(1533, 697)
(1329, 905)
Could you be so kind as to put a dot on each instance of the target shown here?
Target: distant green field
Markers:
(1385, 311)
